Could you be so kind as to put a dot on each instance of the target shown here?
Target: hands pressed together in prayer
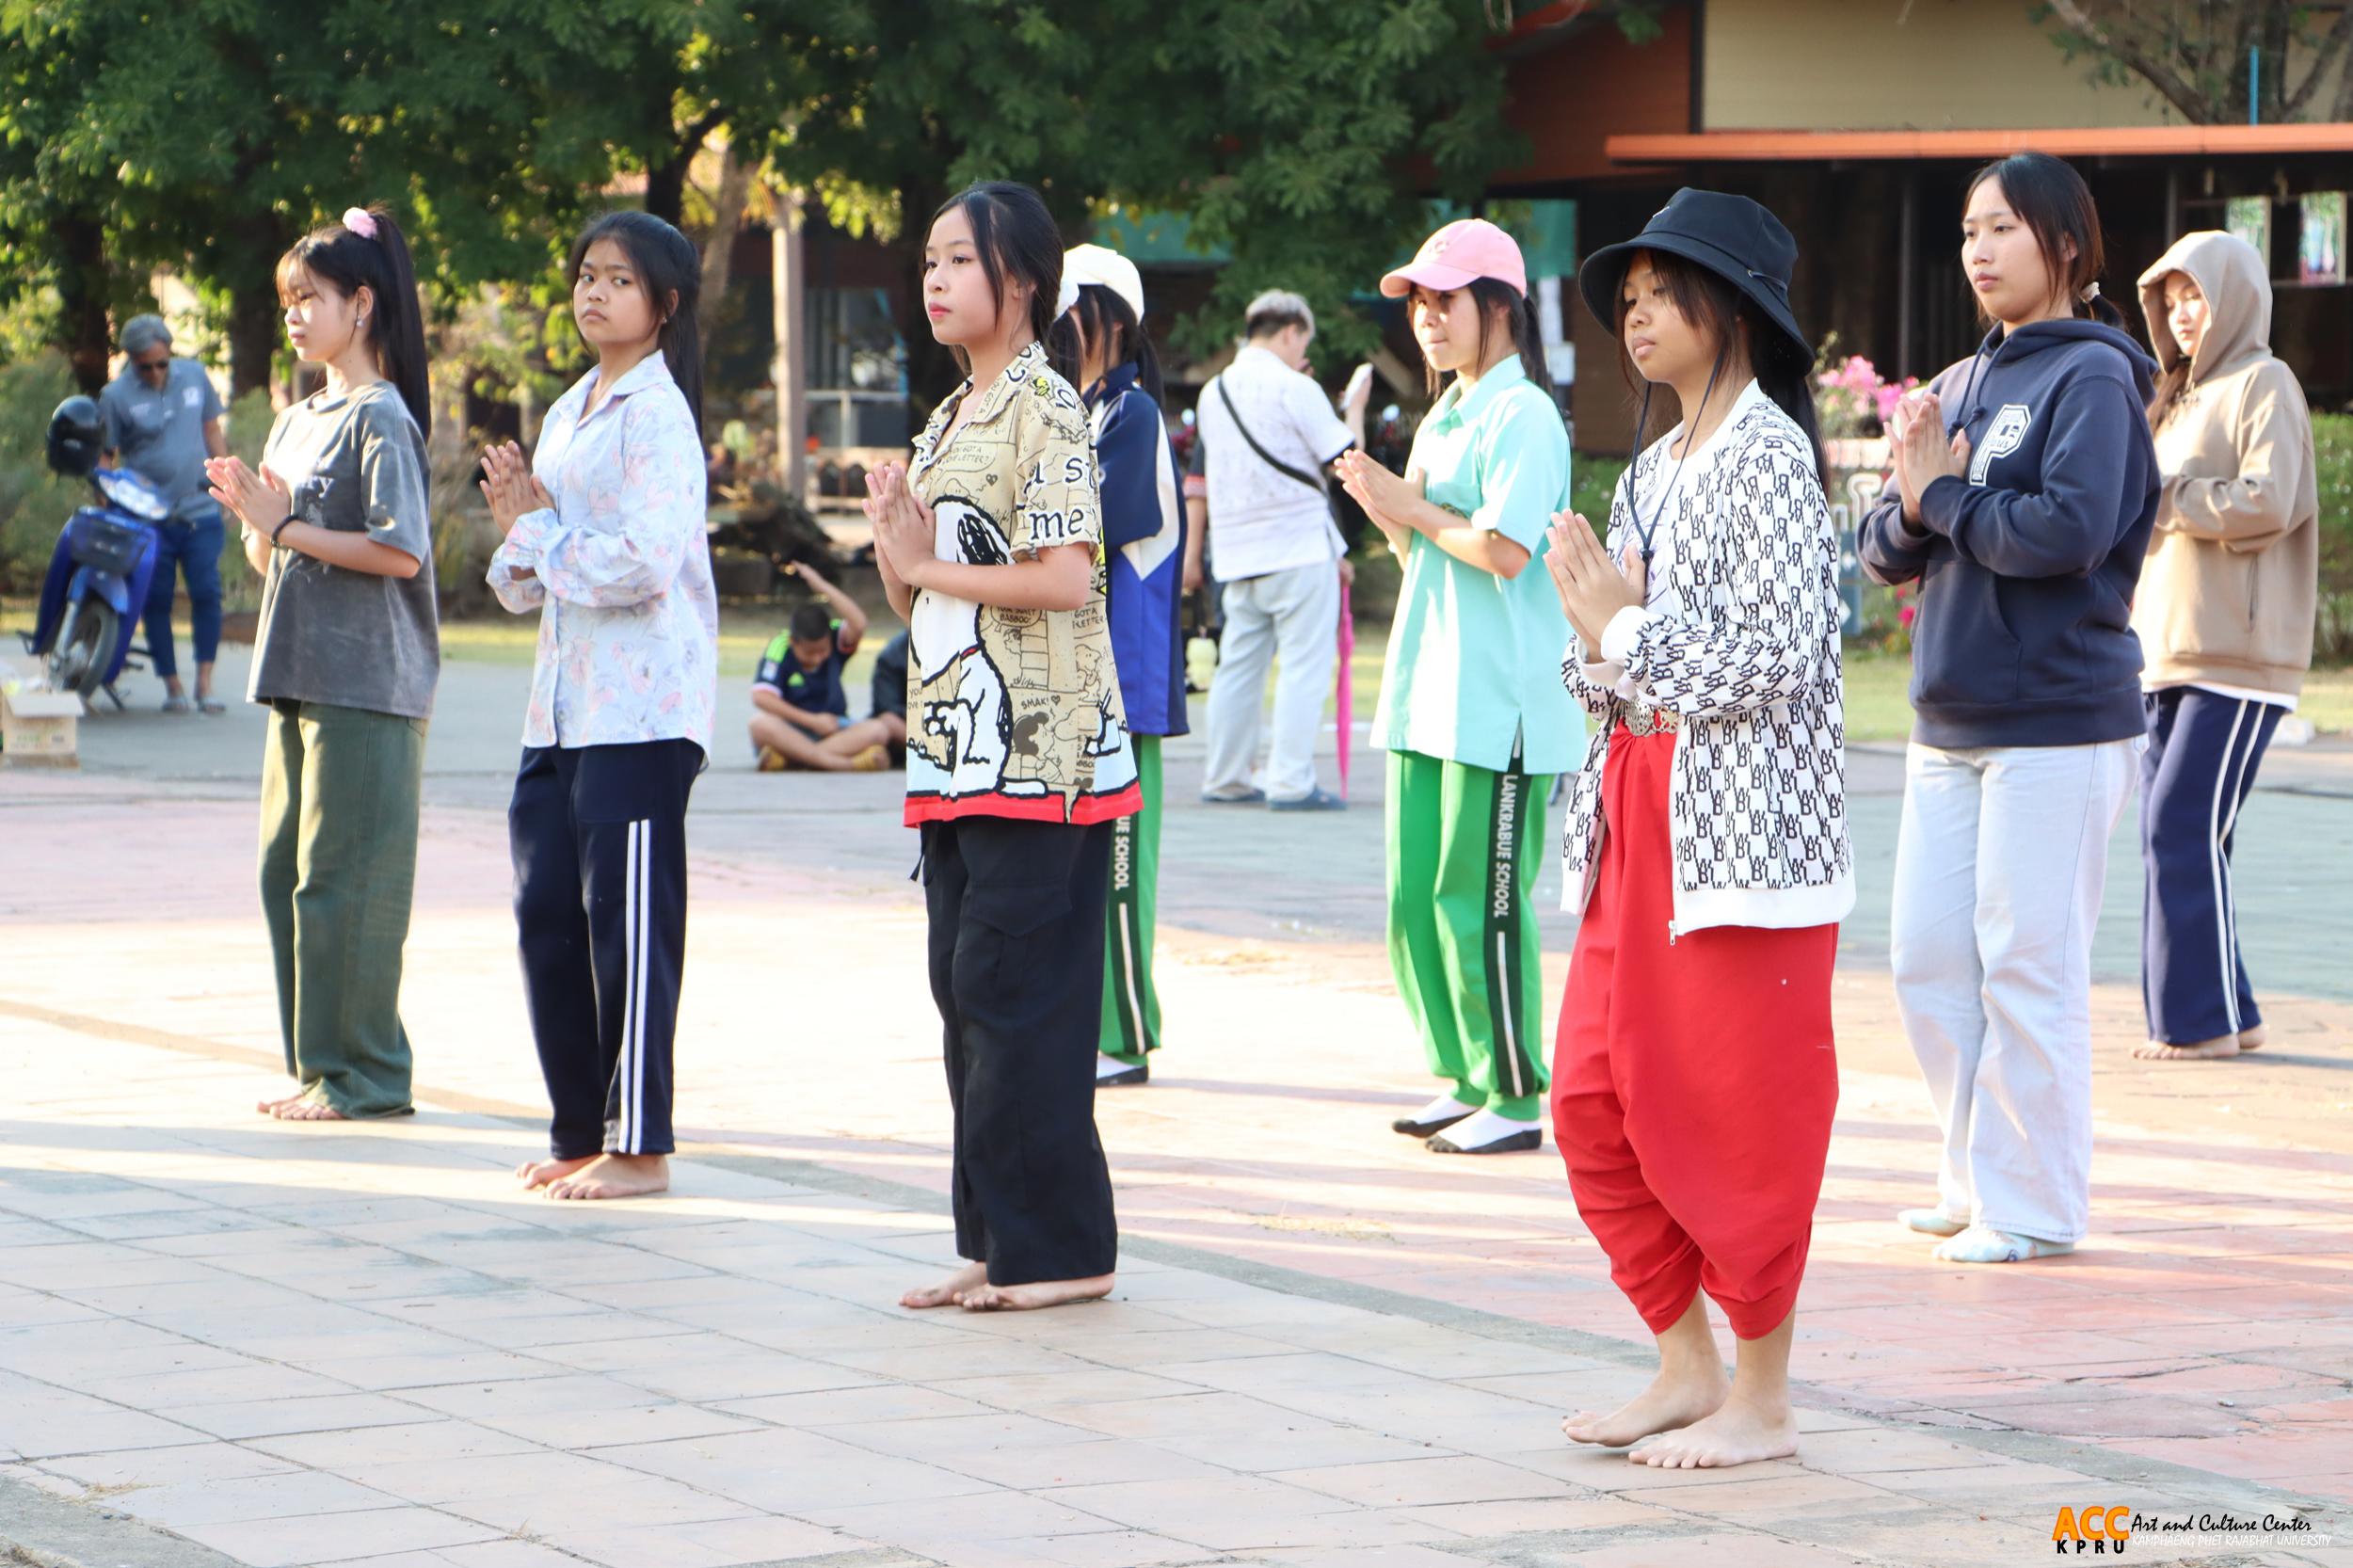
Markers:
(510, 486)
(1592, 587)
(260, 501)
(1920, 452)
(904, 527)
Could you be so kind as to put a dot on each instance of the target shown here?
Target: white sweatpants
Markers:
(1999, 868)
(1293, 616)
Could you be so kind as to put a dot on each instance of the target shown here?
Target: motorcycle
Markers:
(96, 590)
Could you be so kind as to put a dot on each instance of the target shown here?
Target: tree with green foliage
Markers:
(2196, 54)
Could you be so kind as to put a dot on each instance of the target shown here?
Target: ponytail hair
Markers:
(366, 249)
(1495, 299)
(671, 270)
(2055, 205)
(1104, 317)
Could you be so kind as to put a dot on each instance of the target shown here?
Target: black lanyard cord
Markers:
(1643, 533)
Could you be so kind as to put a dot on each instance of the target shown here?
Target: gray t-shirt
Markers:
(329, 634)
(160, 431)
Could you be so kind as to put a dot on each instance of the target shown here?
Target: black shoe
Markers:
(1314, 800)
(1248, 797)
(1511, 1143)
(1140, 1072)
(1412, 1129)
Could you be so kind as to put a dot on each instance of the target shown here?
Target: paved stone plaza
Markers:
(228, 1340)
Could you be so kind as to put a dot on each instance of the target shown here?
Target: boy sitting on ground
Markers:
(801, 718)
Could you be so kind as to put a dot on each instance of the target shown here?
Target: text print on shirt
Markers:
(2001, 439)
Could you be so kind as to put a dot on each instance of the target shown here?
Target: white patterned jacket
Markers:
(1750, 665)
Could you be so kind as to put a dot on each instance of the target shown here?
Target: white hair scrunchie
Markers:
(1066, 296)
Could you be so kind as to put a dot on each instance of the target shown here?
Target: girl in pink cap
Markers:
(1471, 716)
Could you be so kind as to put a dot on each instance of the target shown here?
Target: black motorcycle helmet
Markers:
(75, 436)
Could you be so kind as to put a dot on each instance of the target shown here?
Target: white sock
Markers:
(1442, 1108)
(1485, 1128)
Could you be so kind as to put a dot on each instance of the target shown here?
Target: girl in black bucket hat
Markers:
(1694, 1077)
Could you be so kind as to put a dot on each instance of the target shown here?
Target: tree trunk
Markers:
(253, 333)
(727, 220)
(666, 187)
(82, 286)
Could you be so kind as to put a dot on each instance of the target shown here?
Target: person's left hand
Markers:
(1921, 453)
(510, 486)
(906, 530)
(1592, 587)
(261, 500)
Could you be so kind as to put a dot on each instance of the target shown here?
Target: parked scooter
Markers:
(96, 590)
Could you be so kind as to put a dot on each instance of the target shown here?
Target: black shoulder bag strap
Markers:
(1269, 459)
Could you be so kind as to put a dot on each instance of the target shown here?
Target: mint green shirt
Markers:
(1474, 660)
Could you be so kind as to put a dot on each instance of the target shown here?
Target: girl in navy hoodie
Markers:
(2024, 488)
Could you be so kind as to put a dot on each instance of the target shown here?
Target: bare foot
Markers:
(2204, 1050)
(2252, 1037)
(1739, 1433)
(617, 1175)
(539, 1173)
(301, 1110)
(271, 1108)
(950, 1290)
(1672, 1399)
(1028, 1297)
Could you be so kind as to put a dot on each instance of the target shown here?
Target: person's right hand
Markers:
(1191, 583)
(1359, 389)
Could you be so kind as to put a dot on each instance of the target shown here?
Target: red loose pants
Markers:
(1693, 1079)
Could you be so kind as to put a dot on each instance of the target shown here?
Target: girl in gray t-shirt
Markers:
(346, 659)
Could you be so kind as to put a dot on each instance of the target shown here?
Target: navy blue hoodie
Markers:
(2027, 564)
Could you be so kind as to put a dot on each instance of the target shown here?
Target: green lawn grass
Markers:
(1879, 706)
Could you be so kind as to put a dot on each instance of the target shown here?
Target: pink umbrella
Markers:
(1346, 696)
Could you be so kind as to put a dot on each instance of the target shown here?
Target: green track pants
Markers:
(1131, 1006)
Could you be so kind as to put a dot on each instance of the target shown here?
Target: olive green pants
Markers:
(341, 788)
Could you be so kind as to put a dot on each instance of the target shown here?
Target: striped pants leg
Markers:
(598, 838)
(1464, 846)
(1131, 1003)
(2203, 751)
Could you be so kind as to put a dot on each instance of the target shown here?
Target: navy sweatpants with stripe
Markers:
(598, 835)
(2203, 751)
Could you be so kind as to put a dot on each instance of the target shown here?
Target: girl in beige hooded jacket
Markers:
(2224, 611)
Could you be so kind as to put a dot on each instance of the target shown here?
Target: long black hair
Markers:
(1784, 370)
(671, 270)
(1017, 236)
(347, 261)
(2055, 205)
(1494, 297)
(1106, 318)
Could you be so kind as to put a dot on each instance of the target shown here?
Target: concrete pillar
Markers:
(789, 371)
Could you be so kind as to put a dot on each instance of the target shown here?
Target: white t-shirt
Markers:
(1262, 521)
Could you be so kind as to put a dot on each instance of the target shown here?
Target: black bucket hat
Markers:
(1731, 236)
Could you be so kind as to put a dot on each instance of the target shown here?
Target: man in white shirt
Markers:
(1267, 434)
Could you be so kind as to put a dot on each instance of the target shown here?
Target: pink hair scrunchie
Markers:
(359, 221)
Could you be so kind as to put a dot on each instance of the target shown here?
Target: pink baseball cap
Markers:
(1466, 248)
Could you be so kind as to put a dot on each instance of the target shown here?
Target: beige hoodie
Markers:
(2228, 590)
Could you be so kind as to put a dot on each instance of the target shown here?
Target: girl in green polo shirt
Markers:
(1472, 711)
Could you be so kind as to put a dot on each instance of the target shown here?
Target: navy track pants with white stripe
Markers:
(598, 835)
(2203, 751)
